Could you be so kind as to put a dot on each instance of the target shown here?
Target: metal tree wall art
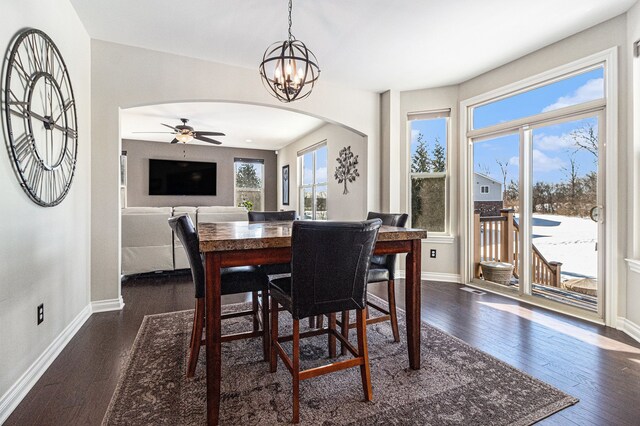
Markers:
(346, 170)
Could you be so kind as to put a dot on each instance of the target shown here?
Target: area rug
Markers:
(457, 384)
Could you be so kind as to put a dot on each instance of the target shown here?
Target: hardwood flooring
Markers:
(598, 365)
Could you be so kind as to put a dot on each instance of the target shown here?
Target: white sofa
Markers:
(148, 244)
(147, 240)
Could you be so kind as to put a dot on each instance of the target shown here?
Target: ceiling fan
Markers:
(184, 133)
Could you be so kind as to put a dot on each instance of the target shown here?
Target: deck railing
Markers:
(497, 239)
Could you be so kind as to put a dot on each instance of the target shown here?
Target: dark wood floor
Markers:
(599, 365)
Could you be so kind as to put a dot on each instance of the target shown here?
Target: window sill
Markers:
(438, 239)
(634, 265)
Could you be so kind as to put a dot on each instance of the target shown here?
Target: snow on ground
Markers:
(570, 240)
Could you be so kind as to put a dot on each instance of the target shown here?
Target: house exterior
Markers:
(485, 188)
(487, 195)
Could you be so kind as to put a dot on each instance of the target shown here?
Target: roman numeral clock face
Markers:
(40, 118)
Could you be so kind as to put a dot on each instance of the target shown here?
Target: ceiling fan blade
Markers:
(156, 132)
(209, 133)
(203, 139)
(174, 141)
(171, 127)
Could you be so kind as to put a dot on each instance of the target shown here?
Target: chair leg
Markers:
(345, 331)
(295, 374)
(266, 339)
(254, 301)
(196, 337)
(391, 288)
(365, 372)
(332, 337)
(273, 358)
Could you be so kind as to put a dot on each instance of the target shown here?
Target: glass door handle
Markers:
(594, 213)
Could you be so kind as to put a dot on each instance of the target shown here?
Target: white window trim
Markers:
(432, 115)
(301, 187)
(609, 58)
(482, 189)
(235, 188)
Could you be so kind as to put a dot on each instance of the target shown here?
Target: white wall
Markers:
(45, 252)
(124, 77)
(352, 206)
(612, 33)
(138, 155)
(633, 153)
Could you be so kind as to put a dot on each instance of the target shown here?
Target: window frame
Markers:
(609, 58)
(433, 114)
(235, 187)
(314, 185)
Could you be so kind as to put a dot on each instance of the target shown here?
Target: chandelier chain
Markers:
(291, 37)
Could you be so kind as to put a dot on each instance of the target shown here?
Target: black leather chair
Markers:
(382, 269)
(288, 215)
(241, 279)
(329, 262)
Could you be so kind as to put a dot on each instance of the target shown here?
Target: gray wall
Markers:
(351, 206)
(139, 153)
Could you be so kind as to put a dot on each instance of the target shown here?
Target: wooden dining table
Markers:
(258, 243)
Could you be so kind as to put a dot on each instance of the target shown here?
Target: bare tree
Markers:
(586, 138)
(504, 170)
(483, 169)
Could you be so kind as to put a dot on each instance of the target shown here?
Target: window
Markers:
(428, 170)
(484, 189)
(573, 90)
(313, 183)
(249, 183)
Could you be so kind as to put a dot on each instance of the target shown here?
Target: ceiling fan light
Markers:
(184, 137)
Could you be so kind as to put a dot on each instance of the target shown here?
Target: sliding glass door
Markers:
(538, 201)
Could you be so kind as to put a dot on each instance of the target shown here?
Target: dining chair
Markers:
(274, 216)
(382, 269)
(329, 266)
(242, 279)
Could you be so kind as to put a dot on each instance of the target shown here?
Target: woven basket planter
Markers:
(497, 272)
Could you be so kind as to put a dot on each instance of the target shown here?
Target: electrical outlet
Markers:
(40, 313)
(433, 253)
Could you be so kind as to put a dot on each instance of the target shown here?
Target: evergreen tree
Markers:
(247, 176)
(420, 161)
(439, 162)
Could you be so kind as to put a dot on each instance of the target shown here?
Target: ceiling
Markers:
(266, 127)
(372, 45)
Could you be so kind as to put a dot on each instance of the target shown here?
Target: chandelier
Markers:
(289, 70)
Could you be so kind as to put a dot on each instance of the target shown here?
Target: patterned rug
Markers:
(456, 385)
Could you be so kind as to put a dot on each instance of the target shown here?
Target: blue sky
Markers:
(552, 145)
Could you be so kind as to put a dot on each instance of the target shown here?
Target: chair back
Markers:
(390, 219)
(186, 232)
(330, 264)
(272, 216)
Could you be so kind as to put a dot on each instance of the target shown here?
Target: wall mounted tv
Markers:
(176, 177)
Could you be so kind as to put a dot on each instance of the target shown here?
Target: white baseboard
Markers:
(629, 327)
(10, 400)
(107, 305)
(435, 276)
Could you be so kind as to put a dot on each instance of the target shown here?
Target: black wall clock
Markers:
(40, 118)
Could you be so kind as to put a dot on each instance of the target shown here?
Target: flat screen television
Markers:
(177, 177)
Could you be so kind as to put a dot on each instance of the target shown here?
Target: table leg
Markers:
(212, 340)
(413, 303)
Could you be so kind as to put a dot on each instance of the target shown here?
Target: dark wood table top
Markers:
(226, 236)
